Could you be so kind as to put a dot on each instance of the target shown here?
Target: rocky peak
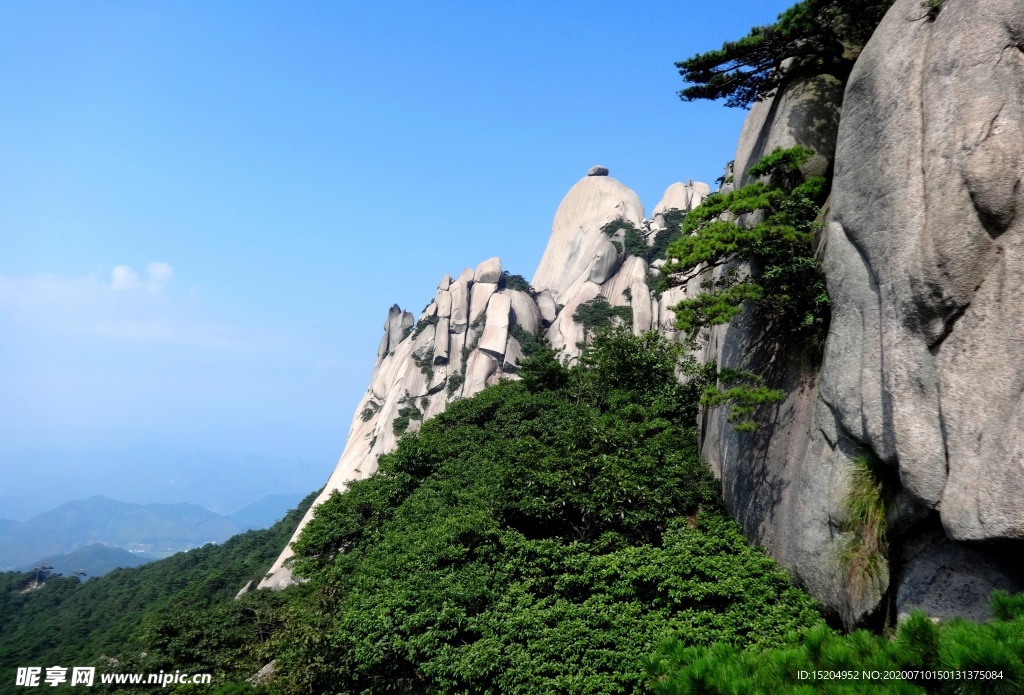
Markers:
(465, 338)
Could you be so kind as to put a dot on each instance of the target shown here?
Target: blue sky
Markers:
(206, 209)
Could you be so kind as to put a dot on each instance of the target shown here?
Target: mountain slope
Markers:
(68, 622)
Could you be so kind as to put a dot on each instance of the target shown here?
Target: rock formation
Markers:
(922, 255)
(464, 340)
(923, 250)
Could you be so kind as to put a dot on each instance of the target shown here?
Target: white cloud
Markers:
(123, 278)
(160, 274)
(125, 308)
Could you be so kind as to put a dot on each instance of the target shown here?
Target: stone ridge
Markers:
(463, 341)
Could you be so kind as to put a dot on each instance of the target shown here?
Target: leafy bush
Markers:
(404, 418)
(515, 282)
(598, 313)
(369, 411)
(918, 645)
(634, 243)
(664, 237)
(422, 324)
(455, 381)
(425, 362)
(534, 542)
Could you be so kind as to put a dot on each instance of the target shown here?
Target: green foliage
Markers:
(787, 285)
(534, 541)
(633, 242)
(611, 228)
(542, 370)
(918, 645)
(455, 381)
(515, 282)
(425, 362)
(422, 324)
(743, 392)
(406, 414)
(932, 8)
(821, 36)
(872, 491)
(71, 623)
(369, 411)
(598, 313)
(478, 324)
(784, 164)
(530, 343)
(785, 282)
(664, 237)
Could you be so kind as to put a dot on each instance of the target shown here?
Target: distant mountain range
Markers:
(99, 533)
(94, 559)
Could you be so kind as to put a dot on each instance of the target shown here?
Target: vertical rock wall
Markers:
(923, 253)
(924, 258)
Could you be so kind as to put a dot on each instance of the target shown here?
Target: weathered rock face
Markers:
(582, 262)
(805, 112)
(576, 240)
(925, 253)
(414, 366)
(465, 336)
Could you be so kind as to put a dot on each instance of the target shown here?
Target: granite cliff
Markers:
(920, 378)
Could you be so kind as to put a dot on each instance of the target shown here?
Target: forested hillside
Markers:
(68, 622)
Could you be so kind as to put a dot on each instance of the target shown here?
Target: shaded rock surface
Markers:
(947, 579)
(924, 257)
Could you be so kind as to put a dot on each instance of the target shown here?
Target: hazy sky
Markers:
(206, 208)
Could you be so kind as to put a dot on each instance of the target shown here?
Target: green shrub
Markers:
(598, 313)
(918, 645)
(422, 324)
(426, 364)
(932, 8)
(634, 243)
(515, 282)
(455, 381)
(369, 411)
(405, 415)
(664, 237)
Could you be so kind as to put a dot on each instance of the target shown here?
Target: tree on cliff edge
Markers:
(821, 36)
